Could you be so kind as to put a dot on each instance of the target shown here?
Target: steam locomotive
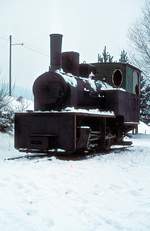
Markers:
(79, 107)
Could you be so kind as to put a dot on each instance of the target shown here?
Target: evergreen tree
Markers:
(145, 101)
(105, 57)
(123, 57)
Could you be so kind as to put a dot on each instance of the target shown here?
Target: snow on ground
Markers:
(105, 192)
(143, 128)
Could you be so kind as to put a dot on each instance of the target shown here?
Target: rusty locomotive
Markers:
(79, 107)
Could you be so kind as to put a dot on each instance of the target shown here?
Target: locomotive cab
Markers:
(119, 75)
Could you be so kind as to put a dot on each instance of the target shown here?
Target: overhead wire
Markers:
(35, 51)
(27, 47)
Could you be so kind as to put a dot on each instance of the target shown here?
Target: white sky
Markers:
(87, 26)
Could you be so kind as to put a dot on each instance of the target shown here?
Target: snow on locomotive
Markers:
(79, 107)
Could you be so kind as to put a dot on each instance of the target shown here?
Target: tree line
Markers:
(106, 57)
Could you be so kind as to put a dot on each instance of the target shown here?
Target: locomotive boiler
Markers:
(79, 107)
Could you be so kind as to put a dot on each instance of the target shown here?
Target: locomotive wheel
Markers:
(88, 140)
(93, 140)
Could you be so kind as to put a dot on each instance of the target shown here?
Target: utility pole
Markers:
(10, 61)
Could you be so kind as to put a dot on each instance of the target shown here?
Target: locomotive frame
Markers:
(75, 131)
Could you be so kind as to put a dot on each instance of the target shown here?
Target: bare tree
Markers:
(4, 99)
(139, 35)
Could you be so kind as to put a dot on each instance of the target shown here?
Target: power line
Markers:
(28, 48)
(36, 51)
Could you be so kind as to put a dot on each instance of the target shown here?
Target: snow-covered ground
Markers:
(102, 193)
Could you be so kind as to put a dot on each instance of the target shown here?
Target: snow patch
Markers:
(143, 128)
(90, 111)
(20, 104)
(69, 78)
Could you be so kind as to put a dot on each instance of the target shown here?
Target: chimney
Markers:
(55, 51)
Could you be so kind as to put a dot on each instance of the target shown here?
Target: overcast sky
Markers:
(87, 26)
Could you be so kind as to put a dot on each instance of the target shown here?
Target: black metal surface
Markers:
(52, 92)
(122, 103)
(44, 131)
(70, 62)
(86, 69)
(55, 48)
